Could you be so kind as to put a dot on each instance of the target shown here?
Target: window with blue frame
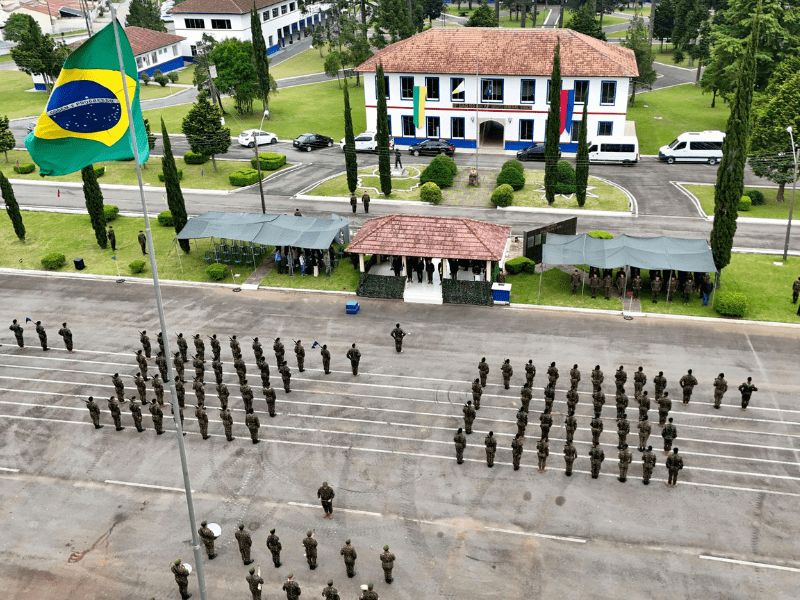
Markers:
(457, 128)
(491, 90)
(432, 127)
(526, 130)
(608, 92)
(407, 123)
(432, 85)
(389, 124)
(548, 91)
(527, 94)
(406, 88)
(581, 92)
(605, 128)
(385, 87)
(457, 89)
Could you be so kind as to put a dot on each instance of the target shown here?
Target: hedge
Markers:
(243, 177)
(430, 192)
(601, 235)
(756, 197)
(24, 168)
(111, 212)
(161, 80)
(173, 76)
(165, 218)
(99, 171)
(744, 203)
(440, 171)
(512, 177)
(54, 261)
(467, 292)
(216, 271)
(194, 158)
(270, 161)
(381, 286)
(180, 175)
(137, 266)
(733, 304)
(565, 178)
(503, 195)
(513, 164)
(519, 265)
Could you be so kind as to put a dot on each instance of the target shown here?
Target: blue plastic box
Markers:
(352, 308)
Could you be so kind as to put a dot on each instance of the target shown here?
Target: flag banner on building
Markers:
(567, 108)
(420, 91)
(86, 120)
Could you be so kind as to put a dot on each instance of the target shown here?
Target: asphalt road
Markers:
(82, 511)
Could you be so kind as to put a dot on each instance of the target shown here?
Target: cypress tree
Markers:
(174, 194)
(260, 58)
(382, 134)
(12, 208)
(94, 204)
(582, 160)
(349, 145)
(553, 129)
(730, 176)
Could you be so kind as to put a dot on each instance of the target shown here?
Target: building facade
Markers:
(282, 21)
(490, 87)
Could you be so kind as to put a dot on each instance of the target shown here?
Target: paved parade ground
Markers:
(89, 514)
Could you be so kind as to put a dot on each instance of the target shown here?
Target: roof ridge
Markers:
(468, 223)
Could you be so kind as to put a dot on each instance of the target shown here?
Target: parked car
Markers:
(533, 152)
(367, 142)
(694, 146)
(432, 147)
(251, 137)
(31, 126)
(308, 141)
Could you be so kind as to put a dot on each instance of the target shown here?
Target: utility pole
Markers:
(652, 22)
(794, 187)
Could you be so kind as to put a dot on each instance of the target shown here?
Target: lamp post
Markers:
(791, 204)
(258, 164)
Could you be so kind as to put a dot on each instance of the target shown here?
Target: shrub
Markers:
(513, 164)
(440, 171)
(503, 195)
(145, 78)
(194, 158)
(216, 271)
(243, 177)
(180, 175)
(512, 177)
(161, 80)
(173, 76)
(565, 178)
(601, 235)
(54, 261)
(99, 171)
(744, 203)
(519, 265)
(430, 192)
(137, 266)
(756, 197)
(157, 73)
(733, 304)
(165, 218)
(24, 168)
(270, 161)
(111, 212)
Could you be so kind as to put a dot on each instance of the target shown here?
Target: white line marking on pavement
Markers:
(147, 485)
(348, 510)
(9, 470)
(748, 563)
(539, 535)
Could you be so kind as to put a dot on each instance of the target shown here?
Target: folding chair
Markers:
(208, 256)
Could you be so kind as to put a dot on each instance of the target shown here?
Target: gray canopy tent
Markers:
(676, 254)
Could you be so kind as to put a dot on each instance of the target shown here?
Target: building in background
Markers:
(53, 16)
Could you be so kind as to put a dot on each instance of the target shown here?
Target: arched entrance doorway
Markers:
(492, 135)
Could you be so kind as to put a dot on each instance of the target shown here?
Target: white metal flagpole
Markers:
(201, 581)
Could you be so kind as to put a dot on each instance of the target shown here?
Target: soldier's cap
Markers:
(369, 586)
(571, 413)
(308, 533)
(204, 523)
(144, 331)
(597, 367)
(324, 484)
(625, 416)
(354, 345)
(459, 430)
(661, 373)
(180, 335)
(177, 378)
(530, 362)
(277, 339)
(649, 448)
(690, 371)
(298, 341)
(290, 575)
(398, 325)
(553, 364)
(621, 367)
(177, 561)
(330, 582)
(347, 541)
(491, 433)
(675, 450)
(116, 374)
(644, 393)
(386, 547)
(214, 336)
(508, 360)
(670, 419)
(484, 358)
(666, 394)
(749, 379)
(252, 570)
(196, 336)
(38, 322)
(477, 380)
(272, 530)
(722, 374)
(14, 321)
(469, 402)
(63, 324)
(324, 346)
(575, 366)
(244, 382)
(641, 368)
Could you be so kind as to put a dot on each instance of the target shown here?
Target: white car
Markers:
(248, 138)
(367, 142)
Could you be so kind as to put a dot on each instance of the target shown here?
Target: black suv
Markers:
(432, 147)
(533, 152)
(308, 141)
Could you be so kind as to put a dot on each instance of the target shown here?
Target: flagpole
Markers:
(201, 581)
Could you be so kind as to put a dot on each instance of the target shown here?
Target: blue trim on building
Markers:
(463, 143)
(165, 67)
(410, 141)
(517, 145)
(571, 147)
(273, 49)
(40, 87)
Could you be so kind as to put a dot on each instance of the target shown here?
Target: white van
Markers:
(623, 150)
(694, 146)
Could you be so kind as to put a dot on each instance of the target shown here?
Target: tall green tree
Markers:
(432, 9)
(332, 66)
(7, 141)
(174, 193)
(553, 132)
(583, 21)
(400, 19)
(730, 176)
(688, 20)
(12, 208)
(664, 21)
(582, 160)
(482, 17)
(16, 24)
(350, 159)
(94, 204)
(382, 134)
(260, 60)
(638, 40)
(145, 13)
(236, 73)
(38, 54)
(204, 131)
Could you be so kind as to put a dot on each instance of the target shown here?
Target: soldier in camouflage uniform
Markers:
(594, 283)
(507, 371)
(720, 387)
(655, 287)
(330, 592)
(223, 394)
(549, 397)
(648, 464)
(572, 400)
(286, 375)
(141, 388)
(621, 283)
(65, 333)
(574, 377)
(145, 340)
(158, 389)
(469, 416)
(161, 362)
(199, 390)
(522, 422)
(254, 582)
(639, 381)
(42, 336)
(636, 285)
(596, 456)
(620, 378)
(252, 422)
(664, 406)
(688, 288)
(326, 359)
(199, 347)
(227, 423)
(269, 396)
(387, 563)
(644, 405)
(483, 371)
(542, 452)
(300, 353)
(598, 400)
(274, 546)
(398, 334)
(795, 290)
(530, 373)
(516, 451)
(119, 387)
(674, 464)
(241, 369)
(621, 404)
(525, 396)
(94, 412)
(177, 364)
(461, 442)
(576, 281)
(263, 366)
(477, 392)
(354, 356)
(158, 416)
(199, 369)
(747, 389)
(245, 542)
(207, 537)
(596, 426)
(160, 340)
(644, 433)
(183, 347)
(236, 348)
(247, 395)
(310, 545)
(570, 425)
(350, 556)
(216, 349)
(687, 384)
(672, 289)
(258, 350)
(552, 374)
(136, 413)
(217, 367)
(669, 433)
(607, 285)
(597, 378)
(115, 413)
(202, 420)
(623, 429)
(570, 454)
(142, 364)
(625, 459)
(660, 383)
(279, 350)
(181, 574)
(546, 422)
(491, 448)
(326, 496)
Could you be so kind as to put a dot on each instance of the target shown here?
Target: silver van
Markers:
(694, 146)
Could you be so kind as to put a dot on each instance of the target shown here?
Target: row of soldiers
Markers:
(607, 284)
(64, 332)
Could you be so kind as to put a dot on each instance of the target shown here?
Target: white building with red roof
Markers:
(493, 83)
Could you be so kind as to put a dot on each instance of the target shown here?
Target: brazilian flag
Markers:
(86, 119)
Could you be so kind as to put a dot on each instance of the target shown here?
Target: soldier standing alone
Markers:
(354, 356)
(300, 353)
(387, 562)
(245, 542)
(576, 281)
(350, 556)
(491, 448)
(398, 334)
(483, 370)
(65, 333)
(365, 200)
(326, 495)
(326, 359)
(142, 241)
(181, 573)
(720, 387)
(795, 290)
(747, 389)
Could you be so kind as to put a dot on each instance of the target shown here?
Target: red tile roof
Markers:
(436, 237)
(220, 7)
(503, 51)
(142, 40)
(52, 7)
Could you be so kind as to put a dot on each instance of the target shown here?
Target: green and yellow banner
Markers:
(420, 91)
(86, 119)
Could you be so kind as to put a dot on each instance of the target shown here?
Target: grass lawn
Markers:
(617, 34)
(344, 278)
(454, 10)
(305, 63)
(513, 21)
(556, 291)
(402, 189)
(124, 173)
(607, 197)
(309, 108)
(608, 20)
(771, 210)
(5, 58)
(73, 236)
(662, 115)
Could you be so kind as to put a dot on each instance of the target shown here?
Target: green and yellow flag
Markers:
(420, 92)
(86, 120)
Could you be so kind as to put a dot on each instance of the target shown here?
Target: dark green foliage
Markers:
(730, 175)
(382, 135)
(513, 164)
(565, 178)
(381, 286)
(161, 80)
(137, 266)
(601, 235)
(193, 158)
(54, 260)
(350, 160)
(100, 171)
(449, 162)
(145, 13)
(438, 171)
(512, 177)
(165, 219)
(216, 271)
(270, 161)
(431, 193)
(744, 203)
(110, 212)
(478, 293)
(7, 141)
(236, 73)
(173, 76)
(145, 78)
(39, 54)
(162, 176)
(94, 204)
(520, 264)
(24, 168)
(242, 177)
(16, 25)
(260, 60)
(756, 197)
(503, 195)
(584, 21)
(553, 131)
(482, 17)
(638, 40)
(582, 161)
(203, 128)
(733, 304)
(12, 208)
(175, 201)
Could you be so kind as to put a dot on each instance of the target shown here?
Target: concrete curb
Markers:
(710, 218)
(118, 186)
